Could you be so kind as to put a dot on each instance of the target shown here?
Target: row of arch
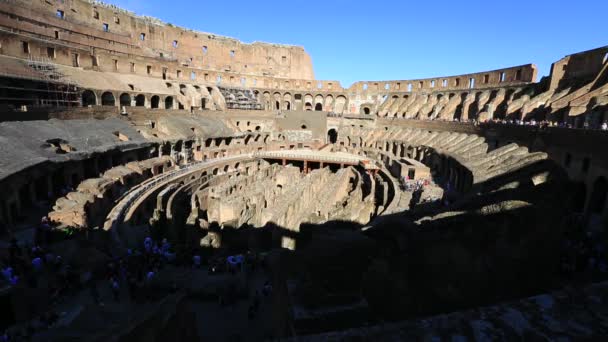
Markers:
(303, 102)
(90, 98)
(468, 106)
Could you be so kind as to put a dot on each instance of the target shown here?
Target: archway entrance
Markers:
(107, 99)
(88, 98)
(125, 100)
(332, 136)
(140, 100)
(169, 102)
(319, 107)
(155, 101)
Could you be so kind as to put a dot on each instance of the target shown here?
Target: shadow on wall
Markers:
(484, 249)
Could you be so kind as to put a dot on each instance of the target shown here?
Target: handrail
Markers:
(315, 158)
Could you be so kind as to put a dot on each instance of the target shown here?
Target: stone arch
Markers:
(366, 110)
(125, 100)
(89, 98)
(287, 101)
(140, 100)
(319, 100)
(329, 103)
(155, 101)
(460, 107)
(474, 107)
(332, 136)
(277, 101)
(267, 97)
(340, 106)
(107, 99)
(169, 102)
(597, 203)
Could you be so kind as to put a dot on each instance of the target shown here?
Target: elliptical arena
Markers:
(159, 183)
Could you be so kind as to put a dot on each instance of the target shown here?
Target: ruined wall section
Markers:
(109, 32)
(516, 75)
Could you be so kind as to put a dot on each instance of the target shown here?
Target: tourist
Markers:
(37, 264)
(115, 288)
(196, 261)
(148, 244)
(605, 126)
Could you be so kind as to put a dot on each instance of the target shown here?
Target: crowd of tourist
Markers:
(412, 185)
(531, 123)
(135, 272)
(35, 266)
(547, 123)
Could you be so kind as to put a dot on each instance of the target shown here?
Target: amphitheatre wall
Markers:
(92, 28)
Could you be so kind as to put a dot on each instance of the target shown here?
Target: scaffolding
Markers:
(60, 91)
(35, 82)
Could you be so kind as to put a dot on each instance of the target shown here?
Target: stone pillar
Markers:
(305, 166)
(283, 162)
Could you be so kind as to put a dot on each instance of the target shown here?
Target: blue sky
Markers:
(389, 40)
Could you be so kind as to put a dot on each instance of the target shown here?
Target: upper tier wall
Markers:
(74, 29)
(147, 37)
(488, 79)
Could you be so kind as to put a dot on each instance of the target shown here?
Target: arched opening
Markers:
(319, 107)
(332, 136)
(125, 100)
(287, 105)
(459, 108)
(308, 106)
(88, 98)
(599, 195)
(140, 100)
(154, 101)
(169, 102)
(107, 99)
(366, 110)
(277, 105)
